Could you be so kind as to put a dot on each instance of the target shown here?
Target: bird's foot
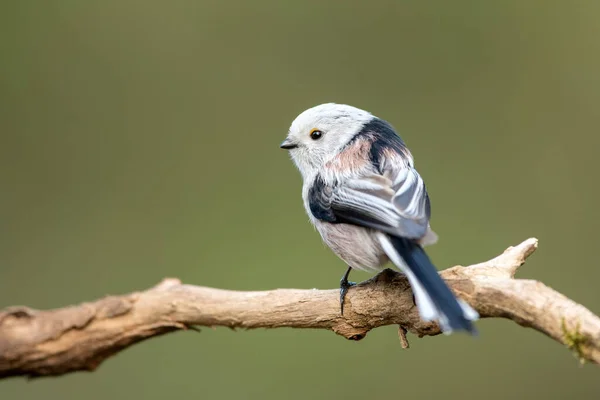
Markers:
(345, 284)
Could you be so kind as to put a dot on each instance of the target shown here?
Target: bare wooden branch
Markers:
(43, 343)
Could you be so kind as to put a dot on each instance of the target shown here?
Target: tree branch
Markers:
(42, 343)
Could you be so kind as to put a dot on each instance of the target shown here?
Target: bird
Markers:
(362, 193)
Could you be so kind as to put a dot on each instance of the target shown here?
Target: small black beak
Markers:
(288, 144)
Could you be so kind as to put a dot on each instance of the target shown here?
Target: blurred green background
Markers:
(139, 139)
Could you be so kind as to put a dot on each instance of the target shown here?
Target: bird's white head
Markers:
(319, 133)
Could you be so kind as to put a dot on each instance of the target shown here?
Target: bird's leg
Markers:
(344, 286)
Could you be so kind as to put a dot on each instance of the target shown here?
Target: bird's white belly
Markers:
(357, 246)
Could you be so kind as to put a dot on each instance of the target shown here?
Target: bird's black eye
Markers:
(316, 134)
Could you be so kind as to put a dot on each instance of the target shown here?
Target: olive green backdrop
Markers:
(139, 139)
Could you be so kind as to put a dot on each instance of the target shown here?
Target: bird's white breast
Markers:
(358, 247)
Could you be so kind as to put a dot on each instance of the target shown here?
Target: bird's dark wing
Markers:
(394, 202)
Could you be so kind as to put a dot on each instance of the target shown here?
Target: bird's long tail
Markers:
(434, 299)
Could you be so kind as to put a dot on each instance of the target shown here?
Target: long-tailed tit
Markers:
(370, 205)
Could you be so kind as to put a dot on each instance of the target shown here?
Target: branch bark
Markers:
(48, 343)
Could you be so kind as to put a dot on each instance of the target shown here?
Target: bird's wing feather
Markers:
(394, 202)
(410, 195)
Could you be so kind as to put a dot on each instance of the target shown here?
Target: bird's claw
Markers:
(344, 286)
